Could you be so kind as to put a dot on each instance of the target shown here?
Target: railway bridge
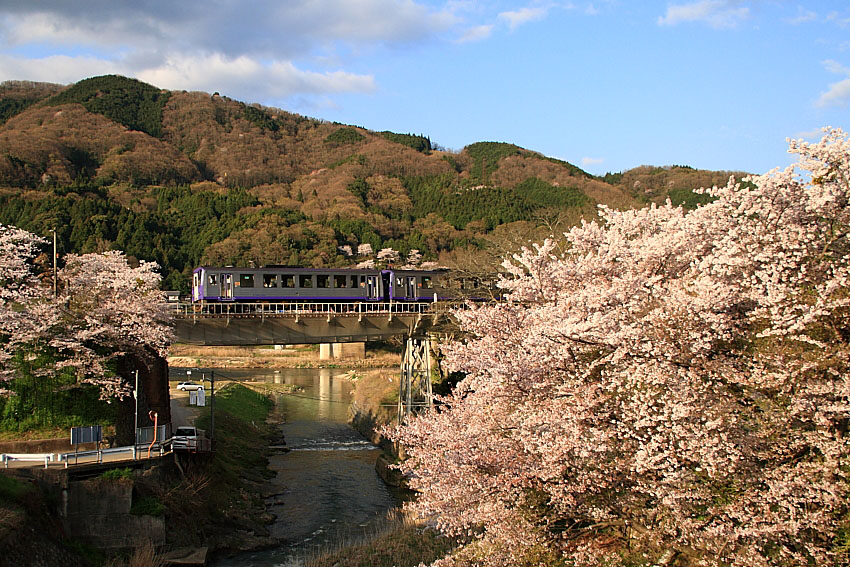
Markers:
(244, 324)
(327, 324)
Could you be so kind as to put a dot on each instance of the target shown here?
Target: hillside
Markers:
(185, 178)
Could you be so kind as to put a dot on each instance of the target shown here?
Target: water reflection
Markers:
(326, 489)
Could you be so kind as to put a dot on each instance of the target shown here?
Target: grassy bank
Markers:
(399, 541)
(216, 500)
(208, 500)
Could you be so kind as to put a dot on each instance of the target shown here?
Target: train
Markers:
(281, 284)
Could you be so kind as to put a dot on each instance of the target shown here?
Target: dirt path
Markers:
(181, 412)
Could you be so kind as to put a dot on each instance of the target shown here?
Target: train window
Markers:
(353, 281)
(287, 280)
(213, 279)
(426, 282)
(246, 280)
(339, 280)
(305, 281)
(269, 280)
(323, 280)
(399, 282)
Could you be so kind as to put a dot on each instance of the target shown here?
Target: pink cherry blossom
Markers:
(672, 386)
(106, 310)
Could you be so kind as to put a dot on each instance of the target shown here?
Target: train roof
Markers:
(318, 270)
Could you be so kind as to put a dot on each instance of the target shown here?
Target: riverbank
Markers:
(290, 356)
(218, 502)
(223, 502)
(400, 541)
(211, 501)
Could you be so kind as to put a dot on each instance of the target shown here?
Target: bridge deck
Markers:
(299, 323)
(314, 309)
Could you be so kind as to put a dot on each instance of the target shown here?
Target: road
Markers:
(181, 412)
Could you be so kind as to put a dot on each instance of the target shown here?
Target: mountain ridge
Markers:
(306, 187)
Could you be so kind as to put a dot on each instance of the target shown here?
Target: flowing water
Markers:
(326, 490)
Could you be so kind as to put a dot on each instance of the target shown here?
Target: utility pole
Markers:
(212, 410)
(55, 292)
(136, 422)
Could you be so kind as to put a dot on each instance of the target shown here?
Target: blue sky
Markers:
(607, 85)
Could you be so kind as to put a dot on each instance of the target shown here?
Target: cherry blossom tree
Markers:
(670, 389)
(20, 293)
(116, 310)
(387, 256)
(106, 310)
(364, 249)
(414, 258)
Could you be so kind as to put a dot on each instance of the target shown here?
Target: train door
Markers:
(373, 290)
(387, 281)
(197, 278)
(410, 288)
(227, 286)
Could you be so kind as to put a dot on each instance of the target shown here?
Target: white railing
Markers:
(92, 456)
(45, 458)
(223, 309)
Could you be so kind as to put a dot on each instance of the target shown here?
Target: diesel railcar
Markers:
(291, 284)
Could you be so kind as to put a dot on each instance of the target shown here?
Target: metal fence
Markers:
(204, 309)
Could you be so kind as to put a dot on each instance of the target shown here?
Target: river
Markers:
(325, 490)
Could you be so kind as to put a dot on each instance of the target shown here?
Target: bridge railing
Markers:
(297, 309)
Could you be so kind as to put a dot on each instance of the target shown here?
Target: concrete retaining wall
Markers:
(97, 512)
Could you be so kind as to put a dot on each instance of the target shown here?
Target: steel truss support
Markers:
(415, 386)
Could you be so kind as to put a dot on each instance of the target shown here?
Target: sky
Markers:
(607, 85)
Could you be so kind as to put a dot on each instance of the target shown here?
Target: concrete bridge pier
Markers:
(342, 351)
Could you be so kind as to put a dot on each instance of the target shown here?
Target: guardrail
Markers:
(93, 456)
(299, 309)
(27, 457)
(98, 454)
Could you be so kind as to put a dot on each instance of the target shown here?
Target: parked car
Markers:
(189, 438)
(188, 386)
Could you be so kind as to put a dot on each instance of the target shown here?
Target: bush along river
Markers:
(325, 491)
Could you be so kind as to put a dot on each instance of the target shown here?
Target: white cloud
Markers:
(837, 18)
(60, 69)
(715, 13)
(260, 50)
(477, 33)
(838, 94)
(817, 133)
(589, 161)
(244, 77)
(267, 26)
(803, 16)
(522, 16)
(836, 67)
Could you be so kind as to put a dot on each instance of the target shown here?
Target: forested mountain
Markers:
(185, 178)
